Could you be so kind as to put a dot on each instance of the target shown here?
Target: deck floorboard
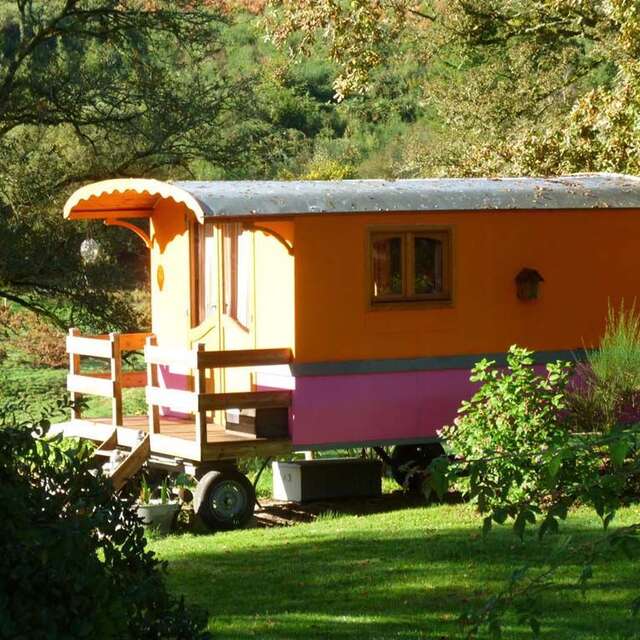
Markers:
(177, 438)
(181, 428)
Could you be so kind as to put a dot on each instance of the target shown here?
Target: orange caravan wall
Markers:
(587, 258)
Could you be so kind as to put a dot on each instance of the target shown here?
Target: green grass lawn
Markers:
(403, 574)
(37, 388)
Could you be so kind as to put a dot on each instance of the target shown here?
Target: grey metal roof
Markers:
(248, 198)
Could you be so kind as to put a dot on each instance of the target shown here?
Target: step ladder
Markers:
(123, 464)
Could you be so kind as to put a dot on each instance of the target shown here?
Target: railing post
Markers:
(200, 380)
(74, 369)
(152, 381)
(116, 379)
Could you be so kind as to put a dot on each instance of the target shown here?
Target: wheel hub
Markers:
(228, 500)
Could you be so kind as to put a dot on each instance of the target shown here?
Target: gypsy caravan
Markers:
(307, 315)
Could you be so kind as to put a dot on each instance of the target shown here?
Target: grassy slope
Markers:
(406, 574)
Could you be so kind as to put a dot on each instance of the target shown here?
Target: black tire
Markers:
(408, 460)
(224, 500)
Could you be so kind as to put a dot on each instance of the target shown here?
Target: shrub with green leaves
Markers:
(73, 557)
(526, 457)
(509, 435)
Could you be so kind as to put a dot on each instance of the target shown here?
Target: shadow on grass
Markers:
(338, 580)
(272, 513)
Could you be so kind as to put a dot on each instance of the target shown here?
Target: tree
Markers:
(359, 33)
(520, 87)
(91, 89)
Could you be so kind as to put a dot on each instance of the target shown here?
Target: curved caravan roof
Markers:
(249, 199)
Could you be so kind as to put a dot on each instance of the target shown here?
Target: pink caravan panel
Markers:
(171, 379)
(368, 408)
(376, 407)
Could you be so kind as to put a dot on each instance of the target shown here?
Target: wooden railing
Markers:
(107, 385)
(200, 364)
(198, 402)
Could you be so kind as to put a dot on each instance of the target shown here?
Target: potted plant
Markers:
(158, 513)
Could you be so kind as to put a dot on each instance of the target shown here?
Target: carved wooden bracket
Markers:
(132, 227)
(270, 232)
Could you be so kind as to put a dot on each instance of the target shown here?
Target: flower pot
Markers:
(159, 516)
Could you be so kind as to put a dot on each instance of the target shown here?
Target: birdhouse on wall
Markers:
(527, 284)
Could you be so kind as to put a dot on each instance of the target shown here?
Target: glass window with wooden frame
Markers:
(236, 266)
(236, 273)
(410, 265)
(207, 260)
(204, 272)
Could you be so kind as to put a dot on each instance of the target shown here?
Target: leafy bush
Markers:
(42, 344)
(527, 456)
(509, 436)
(73, 558)
(328, 169)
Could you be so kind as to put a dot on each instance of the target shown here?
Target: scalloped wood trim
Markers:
(82, 203)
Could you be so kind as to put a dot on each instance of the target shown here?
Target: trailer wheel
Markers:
(224, 500)
(407, 460)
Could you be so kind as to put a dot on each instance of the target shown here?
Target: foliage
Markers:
(617, 360)
(533, 87)
(547, 87)
(145, 491)
(355, 31)
(521, 447)
(328, 169)
(32, 339)
(165, 492)
(607, 390)
(509, 437)
(530, 452)
(74, 562)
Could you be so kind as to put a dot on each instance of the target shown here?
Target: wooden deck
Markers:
(180, 428)
(177, 438)
(195, 439)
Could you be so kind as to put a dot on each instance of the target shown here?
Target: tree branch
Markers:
(35, 308)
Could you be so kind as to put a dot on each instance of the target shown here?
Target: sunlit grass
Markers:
(402, 574)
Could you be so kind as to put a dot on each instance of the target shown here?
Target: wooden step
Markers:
(104, 453)
(108, 444)
(132, 463)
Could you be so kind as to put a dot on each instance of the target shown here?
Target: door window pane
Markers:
(237, 272)
(387, 266)
(209, 272)
(230, 268)
(428, 256)
(243, 308)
